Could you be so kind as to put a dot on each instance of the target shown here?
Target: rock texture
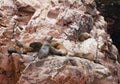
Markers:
(65, 70)
(33, 20)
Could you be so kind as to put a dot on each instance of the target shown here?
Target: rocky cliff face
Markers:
(75, 24)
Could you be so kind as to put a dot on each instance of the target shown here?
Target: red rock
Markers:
(10, 68)
(65, 21)
(53, 13)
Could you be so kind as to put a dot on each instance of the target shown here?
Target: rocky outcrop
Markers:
(91, 57)
(65, 70)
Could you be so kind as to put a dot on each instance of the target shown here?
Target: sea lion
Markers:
(45, 48)
(58, 48)
(108, 49)
(88, 56)
(84, 36)
(35, 46)
(49, 47)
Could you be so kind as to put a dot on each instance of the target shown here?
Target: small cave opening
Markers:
(111, 13)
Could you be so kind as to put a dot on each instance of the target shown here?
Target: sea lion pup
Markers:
(58, 48)
(35, 46)
(88, 56)
(45, 48)
(23, 48)
(105, 49)
(84, 36)
(18, 48)
(11, 50)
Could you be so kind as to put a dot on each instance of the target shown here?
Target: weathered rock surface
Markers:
(64, 70)
(33, 20)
